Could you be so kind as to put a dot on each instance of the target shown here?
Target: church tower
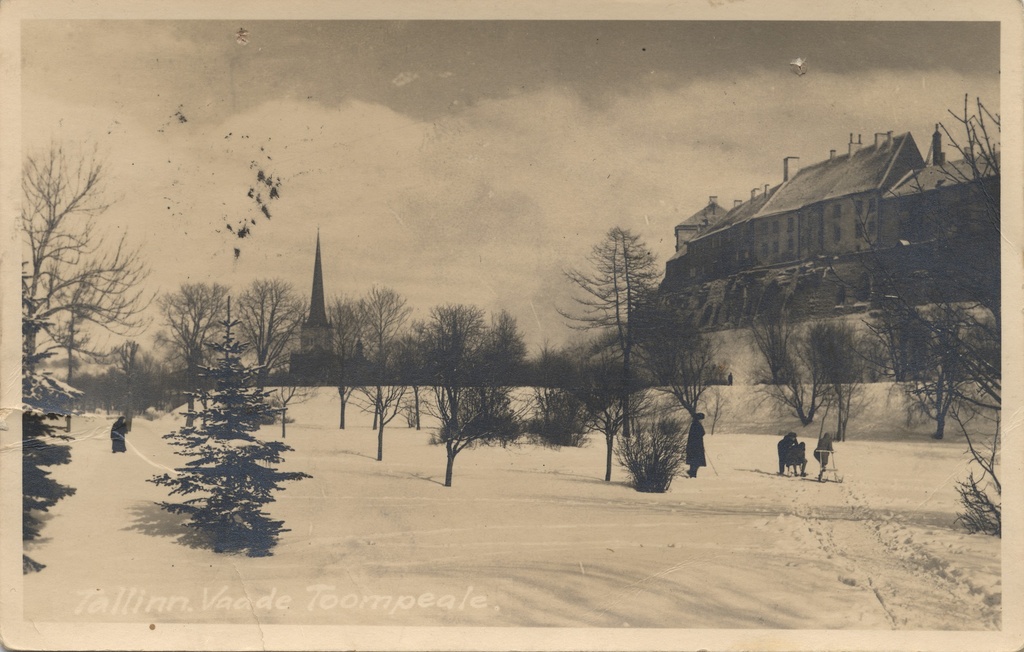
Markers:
(316, 331)
(315, 361)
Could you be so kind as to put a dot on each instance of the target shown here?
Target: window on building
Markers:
(764, 249)
(871, 228)
(860, 230)
(859, 206)
(775, 247)
(789, 244)
(775, 226)
(837, 233)
(837, 211)
(789, 225)
(821, 230)
(871, 206)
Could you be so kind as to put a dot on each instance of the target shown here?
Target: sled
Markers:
(830, 469)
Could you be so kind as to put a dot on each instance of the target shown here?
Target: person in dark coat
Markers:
(822, 452)
(117, 436)
(796, 459)
(695, 445)
(786, 443)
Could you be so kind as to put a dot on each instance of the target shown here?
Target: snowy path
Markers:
(533, 535)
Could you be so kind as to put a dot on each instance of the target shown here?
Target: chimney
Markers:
(790, 166)
(713, 199)
(878, 138)
(753, 194)
(938, 157)
(766, 190)
(736, 203)
(854, 146)
(831, 154)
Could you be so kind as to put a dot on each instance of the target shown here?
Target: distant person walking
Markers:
(823, 451)
(695, 445)
(118, 432)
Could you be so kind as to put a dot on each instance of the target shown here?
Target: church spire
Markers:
(317, 311)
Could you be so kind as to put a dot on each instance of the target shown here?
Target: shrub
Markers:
(653, 453)
(560, 418)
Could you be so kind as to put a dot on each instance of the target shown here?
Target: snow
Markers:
(531, 536)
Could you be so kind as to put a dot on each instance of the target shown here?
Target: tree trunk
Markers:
(341, 423)
(416, 403)
(380, 441)
(284, 417)
(190, 419)
(608, 464)
(940, 425)
(448, 469)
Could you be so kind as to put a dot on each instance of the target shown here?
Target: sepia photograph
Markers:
(628, 327)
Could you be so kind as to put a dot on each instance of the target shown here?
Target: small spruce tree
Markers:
(232, 474)
(44, 399)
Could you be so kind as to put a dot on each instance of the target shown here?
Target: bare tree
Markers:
(679, 357)
(127, 363)
(347, 329)
(285, 396)
(75, 275)
(622, 280)
(384, 313)
(600, 390)
(771, 332)
(189, 315)
(718, 403)
(411, 363)
(468, 364)
(270, 315)
(836, 345)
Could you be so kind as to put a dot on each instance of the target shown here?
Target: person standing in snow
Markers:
(822, 452)
(695, 445)
(117, 436)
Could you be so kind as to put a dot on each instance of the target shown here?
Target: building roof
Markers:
(710, 214)
(743, 212)
(317, 311)
(936, 176)
(869, 168)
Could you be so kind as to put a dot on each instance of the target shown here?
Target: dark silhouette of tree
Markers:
(469, 365)
(347, 328)
(271, 315)
(679, 357)
(622, 280)
(75, 276)
(560, 416)
(412, 370)
(44, 399)
(834, 347)
(127, 363)
(772, 332)
(286, 395)
(384, 313)
(231, 469)
(189, 316)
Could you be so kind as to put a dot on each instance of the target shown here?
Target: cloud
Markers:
(487, 205)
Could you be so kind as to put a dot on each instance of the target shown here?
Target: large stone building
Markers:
(814, 240)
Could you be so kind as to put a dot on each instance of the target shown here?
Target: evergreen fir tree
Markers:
(44, 399)
(232, 474)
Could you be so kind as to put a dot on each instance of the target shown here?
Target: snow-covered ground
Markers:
(528, 536)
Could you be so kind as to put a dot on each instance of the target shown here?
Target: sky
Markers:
(462, 161)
